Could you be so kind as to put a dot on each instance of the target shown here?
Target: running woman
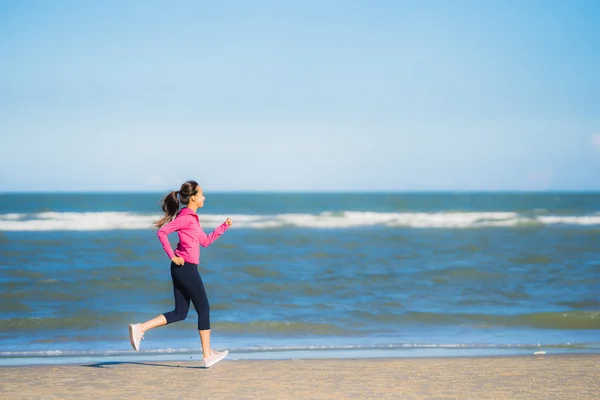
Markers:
(187, 283)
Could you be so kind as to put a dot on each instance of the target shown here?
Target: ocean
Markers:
(305, 275)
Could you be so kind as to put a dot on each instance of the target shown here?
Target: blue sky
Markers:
(306, 95)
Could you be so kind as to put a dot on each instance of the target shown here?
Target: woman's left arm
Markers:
(207, 240)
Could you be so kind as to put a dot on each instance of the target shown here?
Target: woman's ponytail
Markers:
(170, 205)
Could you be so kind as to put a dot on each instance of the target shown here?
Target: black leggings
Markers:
(187, 285)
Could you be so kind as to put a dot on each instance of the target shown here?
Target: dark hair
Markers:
(172, 201)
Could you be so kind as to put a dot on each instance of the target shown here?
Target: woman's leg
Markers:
(182, 304)
(205, 340)
(193, 286)
(153, 323)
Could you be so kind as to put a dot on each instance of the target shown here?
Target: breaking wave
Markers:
(99, 221)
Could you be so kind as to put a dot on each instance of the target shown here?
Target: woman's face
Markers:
(198, 198)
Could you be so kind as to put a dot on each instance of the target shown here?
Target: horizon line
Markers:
(413, 191)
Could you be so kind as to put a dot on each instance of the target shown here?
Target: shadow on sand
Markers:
(109, 364)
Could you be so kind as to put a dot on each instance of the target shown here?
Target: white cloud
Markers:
(596, 141)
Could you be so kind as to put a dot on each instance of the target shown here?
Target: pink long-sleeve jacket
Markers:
(191, 236)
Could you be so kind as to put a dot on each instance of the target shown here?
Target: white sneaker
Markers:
(135, 336)
(215, 357)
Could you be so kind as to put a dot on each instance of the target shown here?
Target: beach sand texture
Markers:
(519, 377)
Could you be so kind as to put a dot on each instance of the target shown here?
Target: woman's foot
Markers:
(135, 336)
(214, 357)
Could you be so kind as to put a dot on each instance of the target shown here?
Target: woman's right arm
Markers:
(163, 233)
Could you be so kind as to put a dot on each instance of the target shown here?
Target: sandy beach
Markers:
(519, 377)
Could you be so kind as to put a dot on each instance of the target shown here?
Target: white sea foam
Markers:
(584, 220)
(74, 221)
(98, 221)
(260, 349)
(10, 217)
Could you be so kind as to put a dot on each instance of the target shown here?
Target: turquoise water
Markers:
(305, 273)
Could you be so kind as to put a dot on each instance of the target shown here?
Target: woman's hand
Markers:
(228, 222)
(178, 260)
